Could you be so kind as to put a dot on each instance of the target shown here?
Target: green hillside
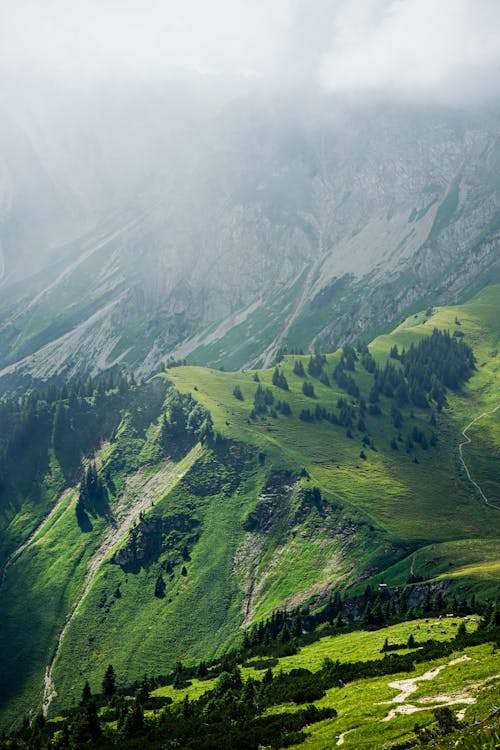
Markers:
(425, 683)
(220, 506)
(371, 712)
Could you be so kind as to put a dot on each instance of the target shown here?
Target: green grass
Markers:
(363, 705)
(380, 516)
(359, 645)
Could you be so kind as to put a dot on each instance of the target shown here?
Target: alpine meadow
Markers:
(250, 375)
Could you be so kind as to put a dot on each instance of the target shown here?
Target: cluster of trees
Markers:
(69, 420)
(262, 399)
(308, 389)
(265, 403)
(427, 369)
(315, 368)
(298, 368)
(232, 715)
(347, 416)
(373, 609)
(93, 495)
(279, 379)
(184, 421)
(417, 377)
(284, 350)
(341, 375)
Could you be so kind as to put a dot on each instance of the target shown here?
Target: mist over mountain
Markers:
(206, 217)
(249, 374)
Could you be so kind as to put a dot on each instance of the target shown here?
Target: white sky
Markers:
(424, 48)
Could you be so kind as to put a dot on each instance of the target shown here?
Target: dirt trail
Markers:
(31, 538)
(410, 686)
(135, 499)
(342, 736)
(468, 441)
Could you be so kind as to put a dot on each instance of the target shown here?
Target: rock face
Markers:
(153, 536)
(227, 236)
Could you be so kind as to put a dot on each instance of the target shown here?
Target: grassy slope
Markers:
(198, 616)
(381, 510)
(362, 705)
(415, 503)
(359, 645)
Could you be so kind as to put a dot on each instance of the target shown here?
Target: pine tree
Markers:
(339, 621)
(134, 721)
(298, 368)
(237, 393)
(109, 682)
(86, 693)
(144, 690)
(59, 426)
(160, 587)
(308, 389)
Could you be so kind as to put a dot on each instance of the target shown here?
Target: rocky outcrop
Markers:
(153, 536)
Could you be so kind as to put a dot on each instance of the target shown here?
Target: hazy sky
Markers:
(430, 48)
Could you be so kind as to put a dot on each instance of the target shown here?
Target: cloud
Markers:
(446, 49)
(143, 36)
(431, 49)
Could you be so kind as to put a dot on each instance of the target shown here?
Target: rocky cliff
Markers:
(224, 237)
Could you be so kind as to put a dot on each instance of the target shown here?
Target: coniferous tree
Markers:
(237, 393)
(308, 389)
(298, 368)
(160, 587)
(86, 693)
(109, 682)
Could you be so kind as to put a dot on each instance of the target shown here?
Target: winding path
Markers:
(468, 441)
(137, 498)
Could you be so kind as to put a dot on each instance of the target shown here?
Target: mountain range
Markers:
(223, 233)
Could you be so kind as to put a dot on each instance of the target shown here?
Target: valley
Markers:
(224, 510)
(250, 375)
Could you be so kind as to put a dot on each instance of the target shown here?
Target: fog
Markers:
(447, 50)
(104, 101)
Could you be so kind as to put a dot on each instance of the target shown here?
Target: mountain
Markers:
(225, 230)
(147, 524)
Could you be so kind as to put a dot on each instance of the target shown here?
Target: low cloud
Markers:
(447, 50)
(144, 36)
(428, 49)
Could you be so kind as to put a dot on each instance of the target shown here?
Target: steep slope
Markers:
(252, 229)
(277, 506)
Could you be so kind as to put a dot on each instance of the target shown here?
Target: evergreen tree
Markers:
(86, 693)
(59, 426)
(144, 690)
(160, 587)
(109, 682)
(298, 368)
(279, 379)
(133, 725)
(237, 393)
(308, 389)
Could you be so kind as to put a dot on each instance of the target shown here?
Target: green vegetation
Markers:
(217, 499)
(338, 691)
